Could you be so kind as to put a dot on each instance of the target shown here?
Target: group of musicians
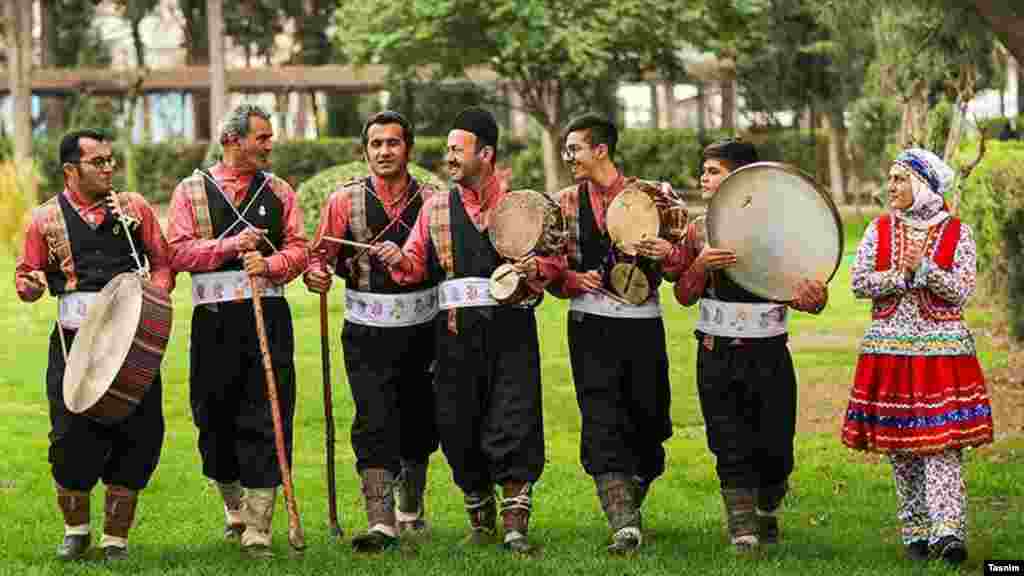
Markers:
(432, 358)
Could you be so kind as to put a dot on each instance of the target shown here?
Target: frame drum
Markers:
(507, 285)
(632, 216)
(525, 222)
(781, 224)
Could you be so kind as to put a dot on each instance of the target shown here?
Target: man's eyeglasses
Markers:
(100, 162)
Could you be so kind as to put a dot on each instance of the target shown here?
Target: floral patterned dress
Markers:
(918, 387)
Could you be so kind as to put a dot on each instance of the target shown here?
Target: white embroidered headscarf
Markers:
(930, 178)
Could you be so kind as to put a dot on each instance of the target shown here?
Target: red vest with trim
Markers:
(941, 243)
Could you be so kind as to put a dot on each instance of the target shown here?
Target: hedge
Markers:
(989, 198)
(153, 169)
(313, 193)
(673, 155)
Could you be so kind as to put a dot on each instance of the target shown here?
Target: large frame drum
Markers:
(782, 226)
(117, 352)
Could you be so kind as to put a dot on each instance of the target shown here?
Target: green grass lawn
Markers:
(840, 518)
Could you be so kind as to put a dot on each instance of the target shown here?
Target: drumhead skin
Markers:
(517, 223)
(782, 226)
(630, 282)
(632, 217)
(103, 342)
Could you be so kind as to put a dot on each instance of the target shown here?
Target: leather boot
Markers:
(258, 506)
(483, 517)
(617, 493)
(741, 519)
(74, 506)
(515, 516)
(409, 489)
(119, 515)
(234, 522)
(378, 494)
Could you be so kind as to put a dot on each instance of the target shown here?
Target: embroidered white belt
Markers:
(741, 320)
(390, 310)
(465, 292)
(73, 308)
(603, 305)
(227, 286)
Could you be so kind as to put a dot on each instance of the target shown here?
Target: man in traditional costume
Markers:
(487, 384)
(228, 223)
(75, 244)
(918, 392)
(617, 349)
(745, 377)
(388, 335)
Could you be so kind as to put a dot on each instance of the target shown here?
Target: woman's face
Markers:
(900, 187)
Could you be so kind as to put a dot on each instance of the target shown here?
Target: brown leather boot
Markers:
(74, 506)
(483, 517)
(409, 489)
(119, 515)
(378, 494)
(515, 516)
(741, 519)
(617, 493)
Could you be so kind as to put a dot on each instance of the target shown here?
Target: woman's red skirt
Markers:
(917, 404)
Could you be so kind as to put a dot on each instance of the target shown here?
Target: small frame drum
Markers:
(508, 285)
(632, 217)
(117, 352)
(629, 281)
(527, 222)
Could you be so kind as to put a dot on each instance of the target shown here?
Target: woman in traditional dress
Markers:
(918, 393)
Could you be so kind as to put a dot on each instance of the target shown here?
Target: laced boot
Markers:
(409, 498)
(258, 506)
(741, 519)
(617, 493)
(119, 515)
(515, 516)
(483, 517)
(378, 494)
(74, 505)
(234, 522)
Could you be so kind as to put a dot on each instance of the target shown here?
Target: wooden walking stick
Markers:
(325, 358)
(295, 536)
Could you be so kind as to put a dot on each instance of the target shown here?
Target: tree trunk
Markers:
(18, 15)
(551, 121)
(1018, 65)
(197, 53)
(835, 129)
(728, 88)
(218, 81)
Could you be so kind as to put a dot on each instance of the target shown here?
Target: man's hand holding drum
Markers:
(715, 258)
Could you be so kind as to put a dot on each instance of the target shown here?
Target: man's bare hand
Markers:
(527, 268)
(656, 249)
(318, 281)
(589, 281)
(250, 239)
(716, 258)
(810, 296)
(255, 264)
(388, 252)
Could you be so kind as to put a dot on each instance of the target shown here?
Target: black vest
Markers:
(376, 220)
(728, 291)
(265, 212)
(99, 254)
(473, 255)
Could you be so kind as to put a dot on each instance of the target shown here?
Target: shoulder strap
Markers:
(55, 231)
(195, 188)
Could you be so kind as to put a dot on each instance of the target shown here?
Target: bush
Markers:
(156, 168)
(874, 127)
(807, 151)
(988, 198)
(299, 160)
(1013, 236)
(313, 193)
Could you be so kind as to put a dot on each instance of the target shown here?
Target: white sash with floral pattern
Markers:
(390, 310)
